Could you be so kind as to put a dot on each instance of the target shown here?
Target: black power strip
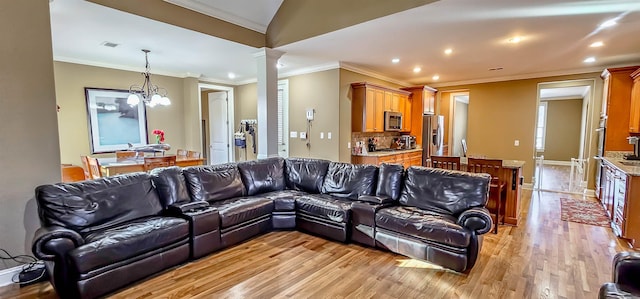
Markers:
(31, 276)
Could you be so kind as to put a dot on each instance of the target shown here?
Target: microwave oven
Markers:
(392, 121)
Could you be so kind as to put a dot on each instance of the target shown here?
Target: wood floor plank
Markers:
(544, 257)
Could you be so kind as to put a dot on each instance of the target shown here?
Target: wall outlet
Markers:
(321, 135)
(348, 144)
(516, 142)
(303, 135)
(293, 134)
(329, 135)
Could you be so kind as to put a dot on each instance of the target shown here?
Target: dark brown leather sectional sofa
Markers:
(98, 236)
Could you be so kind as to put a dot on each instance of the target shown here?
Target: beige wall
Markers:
(30, 155)
(346, 78)
(246, 103)
(71, 79)
(501, 112)
(562, 137)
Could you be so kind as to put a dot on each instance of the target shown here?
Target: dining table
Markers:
(113, 166)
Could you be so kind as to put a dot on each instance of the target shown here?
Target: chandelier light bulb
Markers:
(151, 94)
(164, 101)
(133, 99)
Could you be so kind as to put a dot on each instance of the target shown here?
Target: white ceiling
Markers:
(555, 40)
(563, 92)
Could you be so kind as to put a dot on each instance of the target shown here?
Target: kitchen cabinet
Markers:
(407, 113)
(616, 104)
(405, 158)
(634, 116)
(621, 199)
(422, 101)
(368, 103)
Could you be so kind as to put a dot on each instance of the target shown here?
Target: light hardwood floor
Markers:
(544, 257)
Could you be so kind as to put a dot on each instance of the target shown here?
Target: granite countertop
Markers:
(388, 153)
(623, 165)
(514, 164)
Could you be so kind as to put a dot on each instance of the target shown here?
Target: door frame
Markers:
(230, 114)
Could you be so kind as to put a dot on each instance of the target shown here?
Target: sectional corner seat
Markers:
(100, 235)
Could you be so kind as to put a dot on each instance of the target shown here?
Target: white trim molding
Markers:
(7, 275)
(560, 163)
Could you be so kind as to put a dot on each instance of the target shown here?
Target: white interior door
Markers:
(218, 128)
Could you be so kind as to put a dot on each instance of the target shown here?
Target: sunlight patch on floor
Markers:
(413, 263)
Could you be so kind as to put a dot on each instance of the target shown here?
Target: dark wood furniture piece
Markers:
(156, 162)
(497, 188)
(120, 155)
(445, 162)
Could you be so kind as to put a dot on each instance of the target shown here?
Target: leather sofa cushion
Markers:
(119, 243)
(284, 200)
(424, 224)
(444, 191)
(262, 176)
(97, 204)
(214, 182)
(350, 180)
(390, 180)
(306, 174)
(325, 206)
(170, 184)
(612, 290)
(241, 209)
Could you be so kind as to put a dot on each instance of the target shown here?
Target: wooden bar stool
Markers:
(445, 162)
(497, 191)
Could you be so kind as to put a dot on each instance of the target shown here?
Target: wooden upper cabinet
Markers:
(368, 104)
(616, 99)
(405, 108)
(634, 115)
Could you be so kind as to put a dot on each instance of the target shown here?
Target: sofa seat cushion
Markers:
(284, 200)
(124, 241)
(424, 224)
(241, 209)
(325, 206)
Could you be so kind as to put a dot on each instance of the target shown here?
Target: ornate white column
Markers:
(267, 137)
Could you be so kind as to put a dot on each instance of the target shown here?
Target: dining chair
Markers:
(445, 162)
(122, 155)
(72, 173)
(156, 162)
(93, 168)
(497, 190)
(181, 152)
(194, 154)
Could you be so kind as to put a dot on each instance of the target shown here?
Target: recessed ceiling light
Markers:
(231, 76)
(496, 69)
(109, 44)
(590, 59)
(395, 60)
(416, 69)
(608, 23)
(596, 44)
(515, 40)
(448, 51)
(435, 77)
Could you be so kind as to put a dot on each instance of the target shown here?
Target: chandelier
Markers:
(151, 94)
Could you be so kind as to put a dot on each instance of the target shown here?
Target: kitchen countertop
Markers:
(388, 153)
(633, 170)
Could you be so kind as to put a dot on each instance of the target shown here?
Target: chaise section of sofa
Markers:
(100, 235)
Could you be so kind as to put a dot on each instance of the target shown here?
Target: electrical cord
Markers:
(29, 262)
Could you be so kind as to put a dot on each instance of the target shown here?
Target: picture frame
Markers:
(114, 124)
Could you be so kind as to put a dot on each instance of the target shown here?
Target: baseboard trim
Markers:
(561, 163)
(7, 274)
(590, 192)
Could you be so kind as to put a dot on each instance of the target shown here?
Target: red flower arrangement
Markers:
(159, 136)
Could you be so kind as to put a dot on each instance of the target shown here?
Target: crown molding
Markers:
(118, 67)
(219, 14)
(297, 72)
(369, 73)
(519, 77)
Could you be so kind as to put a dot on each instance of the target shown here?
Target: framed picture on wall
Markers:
(114, 124)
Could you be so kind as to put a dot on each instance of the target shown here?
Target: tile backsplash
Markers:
(384, 139)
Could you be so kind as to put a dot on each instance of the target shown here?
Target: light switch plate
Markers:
(321, 135)
(516, 142)
(303, 135)
(329, 135)
(293, 134)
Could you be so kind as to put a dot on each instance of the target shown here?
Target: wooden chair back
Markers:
(72, 173)
(122, 155)
(156, 162)
(497, 191)
(93, 168)
(181, 152)
(193, 154)
(445, 162)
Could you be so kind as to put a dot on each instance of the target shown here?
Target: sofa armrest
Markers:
(52, 241)
(476, 219)
(626, 269)
(184, 207)
(382, 199)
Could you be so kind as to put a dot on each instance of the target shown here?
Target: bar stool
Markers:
(497, 191)
(445, 162)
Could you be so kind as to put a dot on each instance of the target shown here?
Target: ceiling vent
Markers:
(496, 69)
(109, 44)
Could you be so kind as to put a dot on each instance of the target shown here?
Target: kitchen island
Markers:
(620, 197)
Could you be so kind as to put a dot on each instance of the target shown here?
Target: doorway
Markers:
(216, 103)
(562, 139)
(460, 115)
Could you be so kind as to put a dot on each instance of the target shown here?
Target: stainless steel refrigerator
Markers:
(432, 136)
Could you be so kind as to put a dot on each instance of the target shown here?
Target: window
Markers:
(541, 124)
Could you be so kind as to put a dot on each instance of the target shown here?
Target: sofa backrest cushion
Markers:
(214, 182)
(262, 176)
(350, 180)
(97, 204)
(305, 174)
(390, 180)
(170, 185)
(444, 191)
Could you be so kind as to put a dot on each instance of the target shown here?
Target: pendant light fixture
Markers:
(151, 94)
